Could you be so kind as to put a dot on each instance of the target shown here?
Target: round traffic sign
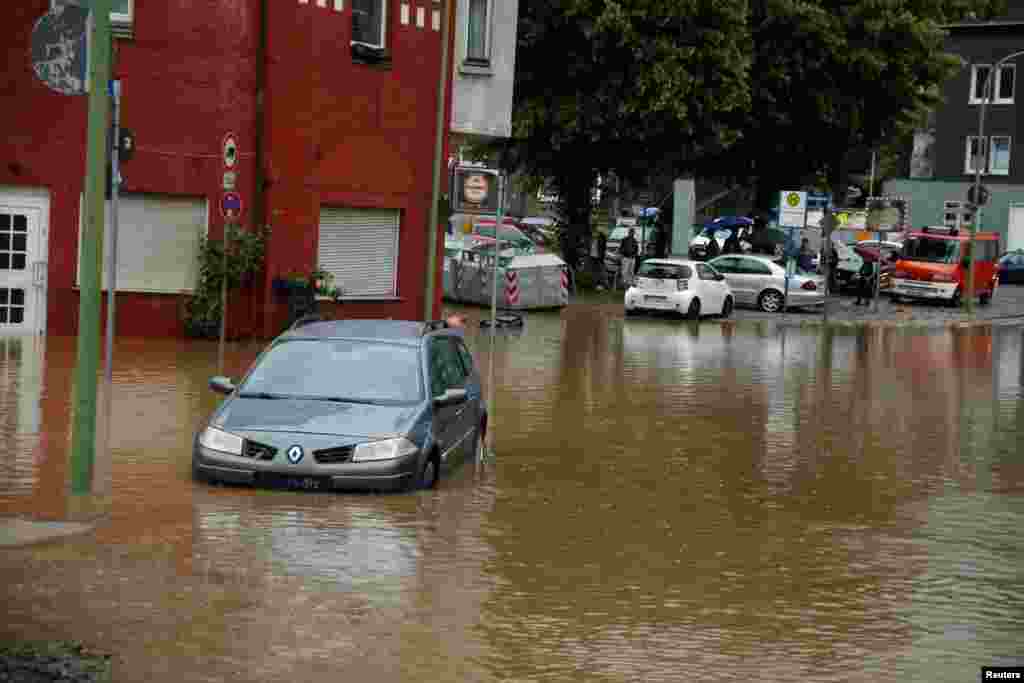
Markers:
(793, 199)
(59, 51)
(230, 151)
(231, 205)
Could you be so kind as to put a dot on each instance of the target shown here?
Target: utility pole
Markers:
(435, 191)
(83, 441)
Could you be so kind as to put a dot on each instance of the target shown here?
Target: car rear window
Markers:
(665, 271)
(360, 371)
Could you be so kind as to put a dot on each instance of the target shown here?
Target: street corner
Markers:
(17, 531)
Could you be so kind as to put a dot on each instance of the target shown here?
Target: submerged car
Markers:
(686, 287)
(761, 282)
(352, 404)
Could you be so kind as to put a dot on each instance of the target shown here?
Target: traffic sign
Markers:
(60, 49)
(792, 208)
(231, 205)
(229, 150)
(981, 199)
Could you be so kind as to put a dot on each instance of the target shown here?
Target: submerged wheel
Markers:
(693, 312)
(427, 478)
(727, 307)
(770, 301)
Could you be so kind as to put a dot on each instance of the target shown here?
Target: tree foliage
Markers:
(767, 91)
(621, 86)
(832, 80)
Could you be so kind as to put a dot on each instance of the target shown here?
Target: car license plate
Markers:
(297, 483)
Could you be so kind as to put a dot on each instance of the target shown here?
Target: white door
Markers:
(22, 268)
(1015, 231)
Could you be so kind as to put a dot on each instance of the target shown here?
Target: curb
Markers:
(18, 532)
(875, 324)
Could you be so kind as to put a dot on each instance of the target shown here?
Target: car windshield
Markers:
(931, 250)
(664, 271)
(339, 370)
(618, 234)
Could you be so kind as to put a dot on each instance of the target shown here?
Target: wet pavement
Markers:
(666, 501)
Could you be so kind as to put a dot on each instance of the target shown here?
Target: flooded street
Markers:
(665, 502)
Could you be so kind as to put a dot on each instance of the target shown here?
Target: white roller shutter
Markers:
(360, 248)
(157, 243)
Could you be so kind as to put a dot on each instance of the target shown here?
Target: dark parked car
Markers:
(353, 404)
(1011, 267)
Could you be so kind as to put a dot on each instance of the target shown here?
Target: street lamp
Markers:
(978, 158)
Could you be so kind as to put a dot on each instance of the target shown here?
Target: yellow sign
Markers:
(793, 199)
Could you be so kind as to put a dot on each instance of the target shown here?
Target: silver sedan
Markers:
(761, 281)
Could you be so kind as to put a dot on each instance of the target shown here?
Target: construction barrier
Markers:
(511, 288)
(564, 289)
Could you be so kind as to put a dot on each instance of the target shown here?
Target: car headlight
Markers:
(387, 449)
(218, 440)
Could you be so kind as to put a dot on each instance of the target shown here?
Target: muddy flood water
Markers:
(665, 502)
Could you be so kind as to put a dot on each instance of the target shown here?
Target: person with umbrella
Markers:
(866, 287)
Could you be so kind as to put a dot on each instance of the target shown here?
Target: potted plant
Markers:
(245, 253)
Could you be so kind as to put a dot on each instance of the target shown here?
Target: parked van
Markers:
(934, 265)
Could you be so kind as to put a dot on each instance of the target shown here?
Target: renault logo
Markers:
(295, 454)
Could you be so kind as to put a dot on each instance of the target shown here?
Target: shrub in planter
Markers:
(245, 254)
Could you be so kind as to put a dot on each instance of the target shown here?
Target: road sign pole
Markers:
(83, 441)
(494, 311)
(115, 195)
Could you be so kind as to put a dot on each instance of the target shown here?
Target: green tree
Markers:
(628, 87)
(831, 81)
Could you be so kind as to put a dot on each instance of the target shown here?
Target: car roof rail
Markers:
(306, 320)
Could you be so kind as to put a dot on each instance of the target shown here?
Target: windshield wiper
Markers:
(342, 399)
(262, 394)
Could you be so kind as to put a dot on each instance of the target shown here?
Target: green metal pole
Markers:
(83, 440)
(435, 191)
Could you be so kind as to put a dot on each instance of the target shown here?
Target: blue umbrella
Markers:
(729, 222)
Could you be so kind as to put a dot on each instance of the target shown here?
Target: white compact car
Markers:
(690, 288)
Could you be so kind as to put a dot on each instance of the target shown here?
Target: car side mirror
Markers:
(719, 277)
(222, 385)
(451, 397)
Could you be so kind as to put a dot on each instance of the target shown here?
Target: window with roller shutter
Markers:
(360, 248)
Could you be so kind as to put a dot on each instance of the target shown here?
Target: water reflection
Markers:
(668, 501)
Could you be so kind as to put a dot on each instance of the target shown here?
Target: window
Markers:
(1002, 85)
(706, 272)
(122, 14)
(974, 155)
(467, 357)
(999, 155)
(992, 155)
(749, 266)
(360, 248)
(369, 18)
(664, 271)
(727, 264)
(157, 242)
(956, 214)
(477, 33)
(446, 370)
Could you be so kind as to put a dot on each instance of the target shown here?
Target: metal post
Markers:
(871, 181)
(115, 196)
(788, 256)
(435, 191)
(494, 311)
(83, 441)
(223, 300)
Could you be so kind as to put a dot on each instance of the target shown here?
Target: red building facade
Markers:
(345, 139)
